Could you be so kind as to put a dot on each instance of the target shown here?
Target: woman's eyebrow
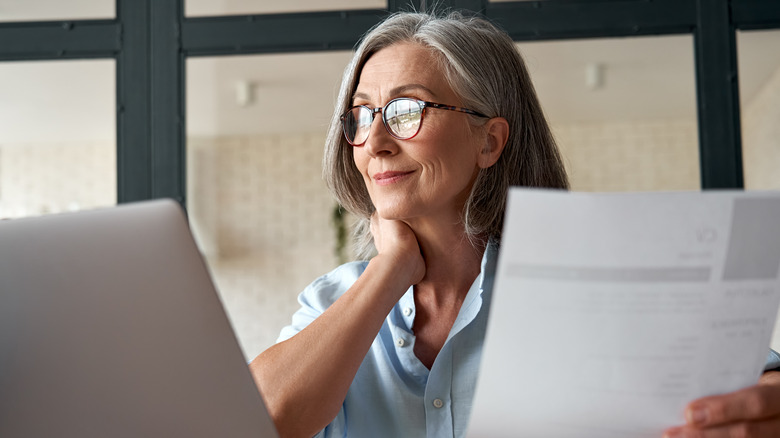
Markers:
(401, 89)
(409, 87)
(359, 95)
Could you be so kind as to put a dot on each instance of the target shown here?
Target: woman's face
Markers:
(430, 175)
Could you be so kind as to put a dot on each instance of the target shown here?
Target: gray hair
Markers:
(483, 67)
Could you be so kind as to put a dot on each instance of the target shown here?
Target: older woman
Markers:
(436, 118)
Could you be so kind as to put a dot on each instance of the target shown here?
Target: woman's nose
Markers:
(379, 141)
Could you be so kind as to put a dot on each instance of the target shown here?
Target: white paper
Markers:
(611, 312)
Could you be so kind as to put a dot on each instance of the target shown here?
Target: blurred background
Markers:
(623, 110)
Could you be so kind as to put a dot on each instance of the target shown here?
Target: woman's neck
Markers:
(452, 261)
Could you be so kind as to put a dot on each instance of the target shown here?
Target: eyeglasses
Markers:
(402, 118)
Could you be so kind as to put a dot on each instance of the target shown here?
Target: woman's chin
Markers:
(392, 212)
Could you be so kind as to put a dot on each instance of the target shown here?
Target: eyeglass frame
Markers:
(423, 104)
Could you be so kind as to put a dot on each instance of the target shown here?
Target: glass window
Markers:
(622, 110)
(759, 89)
(57, 136)
(47, 10)
(258, 206)
(227, 7)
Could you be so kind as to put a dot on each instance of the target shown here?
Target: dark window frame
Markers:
(151, 40)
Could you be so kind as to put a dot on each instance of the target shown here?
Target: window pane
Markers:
(759, 89)
(57, 136)
(257, 202)
(46, 10)
(227, 7)
(622, 110)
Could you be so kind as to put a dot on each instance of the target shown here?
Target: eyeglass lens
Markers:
(401, 117)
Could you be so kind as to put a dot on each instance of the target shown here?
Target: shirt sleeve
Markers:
(320, 294)
(772, 361)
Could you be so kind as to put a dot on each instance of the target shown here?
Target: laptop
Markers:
(111, 327)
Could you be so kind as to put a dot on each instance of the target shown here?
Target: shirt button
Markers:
(437, 403)
(408, 311)
(400, 342)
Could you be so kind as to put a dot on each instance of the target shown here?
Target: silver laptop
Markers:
(110, 327)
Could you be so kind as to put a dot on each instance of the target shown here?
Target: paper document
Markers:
(611, 312)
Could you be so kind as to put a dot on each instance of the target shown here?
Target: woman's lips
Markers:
(390, 177)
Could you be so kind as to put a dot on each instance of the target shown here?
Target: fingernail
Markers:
(697, 416)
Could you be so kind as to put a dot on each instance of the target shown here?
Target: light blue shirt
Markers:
(393, 394)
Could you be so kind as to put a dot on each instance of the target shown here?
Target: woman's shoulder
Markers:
(320, 294)
(325, 290)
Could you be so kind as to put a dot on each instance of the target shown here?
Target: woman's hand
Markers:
(396, 241)
(750, 412)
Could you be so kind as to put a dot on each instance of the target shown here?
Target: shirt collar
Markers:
(480, 289)
(478, 293)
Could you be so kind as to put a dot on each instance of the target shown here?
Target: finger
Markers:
(749, 429)
(756, 402)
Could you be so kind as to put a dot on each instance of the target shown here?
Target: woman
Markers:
(391, 347)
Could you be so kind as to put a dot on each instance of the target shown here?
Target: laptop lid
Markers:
(111, 326)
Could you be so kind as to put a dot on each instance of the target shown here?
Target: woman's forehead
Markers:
(399, 68)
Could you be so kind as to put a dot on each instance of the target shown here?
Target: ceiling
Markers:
(642, 78)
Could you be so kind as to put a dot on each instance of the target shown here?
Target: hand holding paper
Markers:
(753, 412)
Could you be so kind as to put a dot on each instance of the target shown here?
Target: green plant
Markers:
(338, 220)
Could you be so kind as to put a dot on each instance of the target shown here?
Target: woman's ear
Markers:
(496, 134)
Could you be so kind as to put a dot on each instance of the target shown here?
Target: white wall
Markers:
(640, 155)
(262, 214)
(51, 177)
